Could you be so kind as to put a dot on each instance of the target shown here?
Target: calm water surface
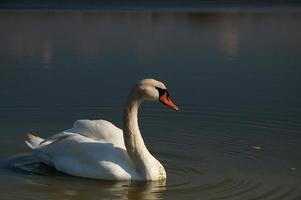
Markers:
(235, 76)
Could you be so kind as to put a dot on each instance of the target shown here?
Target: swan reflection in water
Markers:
(63, 186)
(119, 190)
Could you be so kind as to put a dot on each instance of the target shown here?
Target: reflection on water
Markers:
(96, 34)
(64, 186)
(235, 76)
(229, 40)
(47, 54)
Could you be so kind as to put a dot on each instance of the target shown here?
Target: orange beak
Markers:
(166, 100)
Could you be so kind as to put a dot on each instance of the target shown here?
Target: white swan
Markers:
(98, 149)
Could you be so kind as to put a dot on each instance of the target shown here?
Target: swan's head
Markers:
(153, 90)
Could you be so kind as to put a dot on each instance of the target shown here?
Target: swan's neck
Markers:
(144, 162)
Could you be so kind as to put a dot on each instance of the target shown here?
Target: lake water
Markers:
(235, 75)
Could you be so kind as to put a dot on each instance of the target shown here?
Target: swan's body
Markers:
(98, 149)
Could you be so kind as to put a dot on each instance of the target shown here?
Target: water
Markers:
(235, 75)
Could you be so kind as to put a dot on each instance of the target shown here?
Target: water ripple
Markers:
(209, 157)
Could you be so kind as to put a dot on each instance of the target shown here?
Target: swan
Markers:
(98, 149)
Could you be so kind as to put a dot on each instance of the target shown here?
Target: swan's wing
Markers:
(91, 148)
(93, 129)
(55, 138)
(99, 130)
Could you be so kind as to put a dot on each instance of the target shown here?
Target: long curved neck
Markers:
(137, 151)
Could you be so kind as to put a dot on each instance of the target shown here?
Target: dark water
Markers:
(234, 74)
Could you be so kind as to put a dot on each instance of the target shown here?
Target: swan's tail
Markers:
(33, 141)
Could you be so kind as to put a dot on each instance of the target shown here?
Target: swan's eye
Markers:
(162, 91)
